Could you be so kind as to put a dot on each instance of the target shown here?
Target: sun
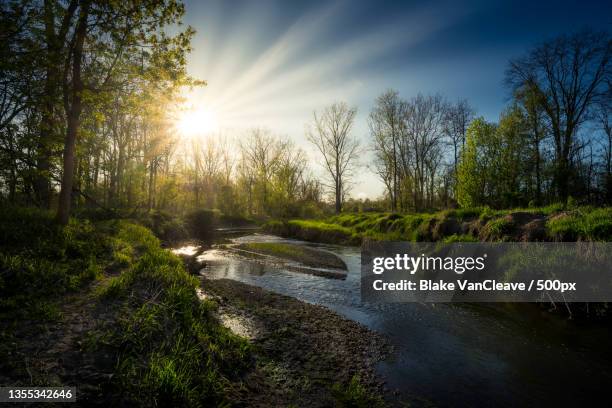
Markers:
(197, 122)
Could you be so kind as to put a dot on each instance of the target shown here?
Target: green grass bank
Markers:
(101, 305)
(552, 223)
(144, 335)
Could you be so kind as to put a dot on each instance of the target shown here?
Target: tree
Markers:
(115, 33)
(568, 75)
(387, 123)
(330, 134)
(457, 119)
(474, 170)
(513, 153)
(424, 133)
(537, 133)
(492, 167)
(603, 115)
(262, 154)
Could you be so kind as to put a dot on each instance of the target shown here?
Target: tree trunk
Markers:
(74, 115)
(42, 186)
(338, 188)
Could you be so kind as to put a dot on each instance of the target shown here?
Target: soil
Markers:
(65, 352)
(301, 350)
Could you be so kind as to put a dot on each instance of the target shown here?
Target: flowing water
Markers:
(446, 354)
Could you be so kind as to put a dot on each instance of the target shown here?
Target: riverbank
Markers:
(305, 355)
(102, 306)
(552, 223)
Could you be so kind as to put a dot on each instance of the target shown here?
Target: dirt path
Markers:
(60, 352)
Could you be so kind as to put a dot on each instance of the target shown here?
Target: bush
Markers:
(167, 227)
(355, 395)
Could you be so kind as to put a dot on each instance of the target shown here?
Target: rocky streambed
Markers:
(306, 355)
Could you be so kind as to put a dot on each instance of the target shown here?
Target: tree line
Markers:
(553, 141)
(90, 92)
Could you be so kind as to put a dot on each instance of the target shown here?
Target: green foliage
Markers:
(585, 223)
(164, 225)
(174, 353)
(460, 238)
(40, 260)
(320, 231)
(355, 395)
(582, 224)
(170, 350)
(465, 213)
(491, 170)
(474, 166)
(498, 229)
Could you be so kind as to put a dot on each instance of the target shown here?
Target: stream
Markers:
(449, 354)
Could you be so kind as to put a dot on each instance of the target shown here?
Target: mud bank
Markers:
(306, 355)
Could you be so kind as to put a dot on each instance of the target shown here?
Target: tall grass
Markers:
(40, 260)
(173, 352)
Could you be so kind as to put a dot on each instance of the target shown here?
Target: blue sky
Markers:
(271, 63)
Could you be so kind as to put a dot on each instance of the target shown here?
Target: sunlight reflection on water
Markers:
(460, 355)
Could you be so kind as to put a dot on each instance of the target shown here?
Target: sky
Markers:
(271, 63)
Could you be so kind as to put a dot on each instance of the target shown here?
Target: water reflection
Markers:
(220, 265)
(457, 355)
(188, 250)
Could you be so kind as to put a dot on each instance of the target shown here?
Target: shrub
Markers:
(166, 226)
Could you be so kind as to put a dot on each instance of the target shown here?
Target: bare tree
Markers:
(457, 119)
(531, 105)
(387, 123)
(603, 116)
(262, 152)
(424, 135)
(330, 133)
(228, 158)
(568, 74)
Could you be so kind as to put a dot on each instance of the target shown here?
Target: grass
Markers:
(40, 261)
(498, 228)
(313, 230)
(355, 395)
(168, 347)
(308, 256)
(591, 224)
(172, 351)
(466, 224)
(283, 250)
